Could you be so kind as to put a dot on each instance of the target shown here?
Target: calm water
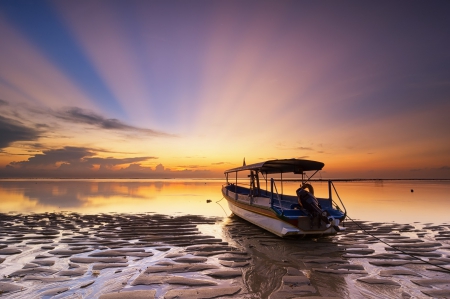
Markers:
(388, 201)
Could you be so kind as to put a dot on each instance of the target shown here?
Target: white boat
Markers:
(282, 214)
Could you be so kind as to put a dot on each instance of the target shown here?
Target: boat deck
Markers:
(287, 205)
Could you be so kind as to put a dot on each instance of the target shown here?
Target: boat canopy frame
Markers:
(297, 166)
(280, 166)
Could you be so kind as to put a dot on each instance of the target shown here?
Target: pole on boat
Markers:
(271, 191)
(266, 181)
(329, 190)
(281, 183)
(235, 188)
(258, 187)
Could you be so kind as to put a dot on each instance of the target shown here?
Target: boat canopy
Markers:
(281, 166)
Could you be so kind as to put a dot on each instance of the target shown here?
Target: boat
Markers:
(258, 198)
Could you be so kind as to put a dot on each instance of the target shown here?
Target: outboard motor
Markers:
(311, 204)
(333, 222)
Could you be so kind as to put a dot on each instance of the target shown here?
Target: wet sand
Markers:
(69, 255)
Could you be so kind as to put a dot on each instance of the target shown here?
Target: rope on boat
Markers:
(217, 202)
(397, 249)
(337, 207)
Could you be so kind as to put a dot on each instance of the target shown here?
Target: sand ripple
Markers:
(68, 255)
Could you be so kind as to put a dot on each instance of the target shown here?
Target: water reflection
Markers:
(372, 201)
(390, 201)
(125, 196)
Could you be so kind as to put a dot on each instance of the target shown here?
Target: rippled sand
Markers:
(68, 255)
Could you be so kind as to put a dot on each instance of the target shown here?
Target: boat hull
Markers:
(267, 218)
(275, 226)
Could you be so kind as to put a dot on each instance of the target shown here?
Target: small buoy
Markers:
(208, 200)
(412, 190)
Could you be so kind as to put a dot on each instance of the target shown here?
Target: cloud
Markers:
(3, 103)
(12, 131)
(110, 162)
(159, 167)
(190, 166)
(303, 157)
(70, 158)
(442, 168)
(283, 146)
(83, 116)
(135, 167)
(82, 162)
(68, 155)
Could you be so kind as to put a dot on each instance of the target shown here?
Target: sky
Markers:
(187, 89)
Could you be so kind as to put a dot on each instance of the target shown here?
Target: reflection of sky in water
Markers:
(98, 196)
(374, 201)
(391, 201)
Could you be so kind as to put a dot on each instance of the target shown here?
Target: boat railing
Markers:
(273, 187)
(239, 191)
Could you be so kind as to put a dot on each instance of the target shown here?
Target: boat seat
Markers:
(295, 206)
(290, 212)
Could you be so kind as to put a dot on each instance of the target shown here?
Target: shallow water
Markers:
(170, 197)
(128, 215)
(390, 201)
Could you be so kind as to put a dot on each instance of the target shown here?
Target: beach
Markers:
(65, 254)
(68, 255)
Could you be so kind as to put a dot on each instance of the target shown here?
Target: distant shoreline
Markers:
(108, 178)
(361, 180)
(221, 179)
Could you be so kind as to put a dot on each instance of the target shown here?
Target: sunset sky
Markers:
(189, 88)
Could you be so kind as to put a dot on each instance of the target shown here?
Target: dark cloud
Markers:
(115, 161)
(3, 102)
(12, 131)
(82, 116)
(74, 158)
(37, 145)
(68, 154)
(81, 162)
(39, 126)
